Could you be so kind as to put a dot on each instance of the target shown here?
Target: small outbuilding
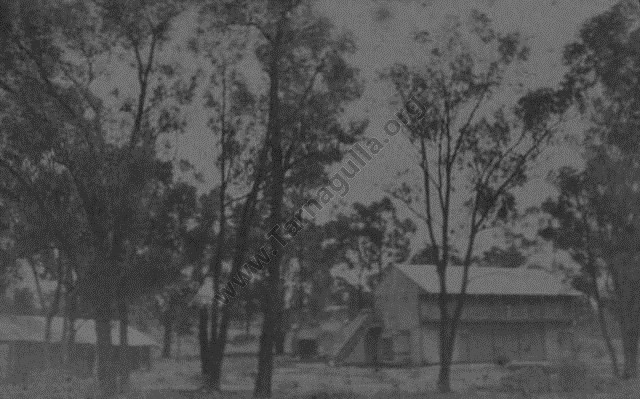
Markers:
(23, 348)
(306, 342)
(312, 340)
(519, 314)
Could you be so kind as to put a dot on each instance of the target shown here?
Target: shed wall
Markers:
(527, 328)
(397, 301)
(19, 358)
(416, 346)
(484, 342)
(430, 344)
(503, 308)
(558, 341)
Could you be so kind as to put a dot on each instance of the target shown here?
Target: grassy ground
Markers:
(171, 379)
(180, 378)
(625, 391)
(320, 381)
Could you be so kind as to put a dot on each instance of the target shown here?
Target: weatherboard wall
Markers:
(522, 327)
(397, 301)
(502, 308)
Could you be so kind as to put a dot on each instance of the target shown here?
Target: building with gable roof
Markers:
(23, 348)
(519, 314)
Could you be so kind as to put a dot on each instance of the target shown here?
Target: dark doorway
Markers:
(371, 343)
(307, 348)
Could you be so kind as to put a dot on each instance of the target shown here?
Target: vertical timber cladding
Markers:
(482, 342)
(480, 346)
(485, 342)
(510, 327)
(532, 342)
(5, 362)
(506, 340)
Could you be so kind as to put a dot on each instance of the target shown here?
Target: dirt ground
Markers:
(318, 380)
(239, 373)
(180, 378)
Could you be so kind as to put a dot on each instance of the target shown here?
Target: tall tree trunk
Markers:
(273, 297)
(104, 350)
(607, 337)
(215, 357)
(215, 268)
(203, 337)
(168, 332)
(36, 277)
(262, 387)
(247, 327)
(123, 349)
(446, 357)
(630, 331)
(445, 346)
(279, 333)
(69, 334)
(629, 317)
(449, 320)
(50, 315)
(591, 268)
(239, 255)
(70, 307)
(203, 322)
(213, 382)
(630, 346)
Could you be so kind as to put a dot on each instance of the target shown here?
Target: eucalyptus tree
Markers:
(235, 113)
(595, 217)
(367, 239)
(308, 80)
(164, 253)
(57, 60)
(579, 220)
(471, 152)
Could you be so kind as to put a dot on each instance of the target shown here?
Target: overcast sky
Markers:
(383, 32)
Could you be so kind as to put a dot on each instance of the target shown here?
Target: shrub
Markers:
(526, 380)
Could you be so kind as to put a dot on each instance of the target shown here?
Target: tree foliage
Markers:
(468, 146)
(87, 159)
(595, 216)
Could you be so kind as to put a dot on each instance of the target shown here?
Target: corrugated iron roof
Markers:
(489, 280)
(32, 328)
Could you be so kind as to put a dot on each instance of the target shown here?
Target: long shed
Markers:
(521, 314)
(23, 350)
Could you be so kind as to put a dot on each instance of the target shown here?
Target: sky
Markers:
(383, 30)
(547, 27)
